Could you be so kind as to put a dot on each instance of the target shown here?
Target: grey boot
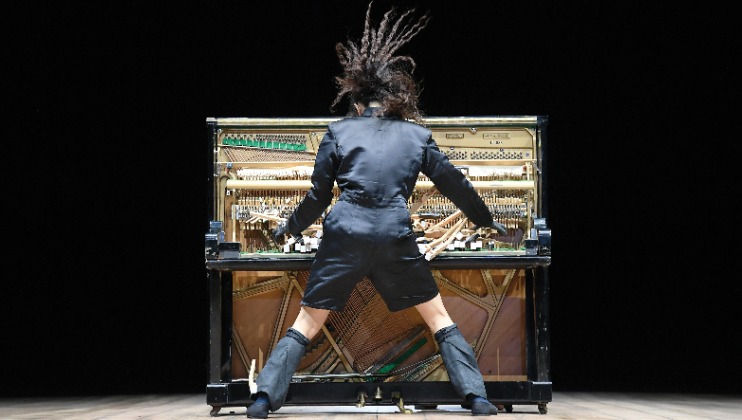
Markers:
(275, 377)
(463, 370)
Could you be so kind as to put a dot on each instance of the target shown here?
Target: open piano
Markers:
(496, 288)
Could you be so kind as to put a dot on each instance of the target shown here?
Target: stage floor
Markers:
(566, 405)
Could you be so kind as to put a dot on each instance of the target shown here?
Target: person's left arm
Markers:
(320, 194)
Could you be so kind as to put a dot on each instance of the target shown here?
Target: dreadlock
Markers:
(371, 71)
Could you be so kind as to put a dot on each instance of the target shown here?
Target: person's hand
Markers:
(279, 233)
(499, 228)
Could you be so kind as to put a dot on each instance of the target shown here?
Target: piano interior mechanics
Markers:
(495, 287)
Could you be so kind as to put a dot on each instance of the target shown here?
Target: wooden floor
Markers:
(563, 406)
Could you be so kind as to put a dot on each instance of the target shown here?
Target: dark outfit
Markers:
(368, 233)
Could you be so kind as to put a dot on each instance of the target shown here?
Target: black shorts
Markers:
(377, 243)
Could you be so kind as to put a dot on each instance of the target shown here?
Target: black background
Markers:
(106, 174)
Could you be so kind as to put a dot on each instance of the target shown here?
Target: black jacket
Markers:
(377, 160)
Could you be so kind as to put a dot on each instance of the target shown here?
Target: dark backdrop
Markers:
(106, 173)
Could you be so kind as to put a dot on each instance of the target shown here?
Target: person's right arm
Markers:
(456, 187)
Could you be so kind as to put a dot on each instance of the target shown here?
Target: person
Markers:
(375, 154)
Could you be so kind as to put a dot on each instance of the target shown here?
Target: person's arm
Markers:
(320, 194)
(453, 184)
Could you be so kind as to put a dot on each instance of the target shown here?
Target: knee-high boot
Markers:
(275, 377)
(463, 369)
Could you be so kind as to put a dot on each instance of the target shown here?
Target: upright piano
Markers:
(495, 287)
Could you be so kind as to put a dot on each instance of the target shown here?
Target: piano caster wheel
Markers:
(542, 408)
(214, 410)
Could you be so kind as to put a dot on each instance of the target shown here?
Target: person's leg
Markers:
(274, 379)
(434, 313)
(458, 356)
(310, 321)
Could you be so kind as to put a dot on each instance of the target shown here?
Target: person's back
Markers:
(368, 232)
(375, 162)
(380, 158)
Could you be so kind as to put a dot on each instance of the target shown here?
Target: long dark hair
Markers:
(371, 71)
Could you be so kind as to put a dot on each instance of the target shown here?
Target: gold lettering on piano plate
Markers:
(496, 135)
